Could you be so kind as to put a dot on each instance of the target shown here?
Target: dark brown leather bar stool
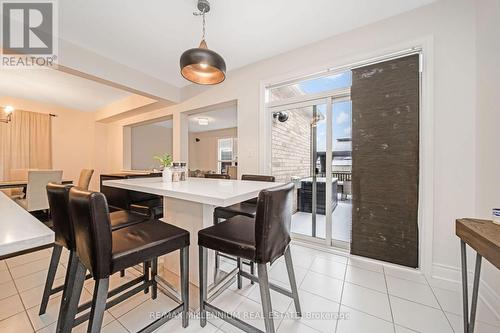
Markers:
(103, 253)
(217, 176)
(58, 195)
(245, 208)
(262, 239)
(152, 208)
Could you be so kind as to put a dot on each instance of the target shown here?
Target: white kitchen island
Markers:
(190, 205)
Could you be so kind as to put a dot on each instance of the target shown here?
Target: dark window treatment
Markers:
(385, 158)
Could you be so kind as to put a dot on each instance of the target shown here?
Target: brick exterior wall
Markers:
(291, 151)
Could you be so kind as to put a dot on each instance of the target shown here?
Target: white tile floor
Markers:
(337, 293)
(341, 222)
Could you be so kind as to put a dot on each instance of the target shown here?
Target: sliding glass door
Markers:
(302, 134)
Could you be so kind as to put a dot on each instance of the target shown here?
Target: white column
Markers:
(180, 137)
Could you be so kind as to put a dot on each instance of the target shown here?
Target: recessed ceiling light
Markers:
(202, 121)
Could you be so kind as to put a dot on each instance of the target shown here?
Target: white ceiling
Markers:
(217, 119)
(58, 88)
(150, 36)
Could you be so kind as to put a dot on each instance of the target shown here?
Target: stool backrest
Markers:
(90, 215)
(272, 222)
(84, 180)
(257, 178)
(58, 197)
(217, 176)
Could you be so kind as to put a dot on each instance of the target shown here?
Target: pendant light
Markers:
(202, 65)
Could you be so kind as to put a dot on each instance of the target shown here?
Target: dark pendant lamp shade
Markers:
(203, 66)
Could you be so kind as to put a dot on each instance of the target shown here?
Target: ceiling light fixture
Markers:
(8, 110)
(202, 121)
(202, 65)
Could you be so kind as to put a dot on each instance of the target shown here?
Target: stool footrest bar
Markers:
(231, 319)
(271, 285)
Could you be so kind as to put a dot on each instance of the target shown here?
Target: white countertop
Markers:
(217, 192)
(19, 230)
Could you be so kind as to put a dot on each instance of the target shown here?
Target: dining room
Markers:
(221, 166)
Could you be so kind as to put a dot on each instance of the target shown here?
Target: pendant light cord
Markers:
(203, 14)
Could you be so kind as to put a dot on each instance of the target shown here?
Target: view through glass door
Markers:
(302, 134)
(311, 146)
(297, 133)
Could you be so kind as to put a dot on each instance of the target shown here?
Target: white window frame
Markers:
(234, 152)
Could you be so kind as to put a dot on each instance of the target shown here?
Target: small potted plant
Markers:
(165, 161)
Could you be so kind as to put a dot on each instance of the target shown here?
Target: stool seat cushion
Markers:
(144, 241)
(235, 236)
(243, 208)
(122, 218)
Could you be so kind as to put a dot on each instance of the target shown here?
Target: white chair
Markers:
(36, 193)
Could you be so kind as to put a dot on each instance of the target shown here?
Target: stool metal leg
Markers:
(69, 304)
(265, 295)
(293, 283)
(203, 285)
(145, 270)
(69, 283)
(184, 260)
(465, 295)
(154, 272)
(122, 273)
(252, 270)
(54, 262)
(98, 305)
(240, 279)
(217, 257)
(475, 291)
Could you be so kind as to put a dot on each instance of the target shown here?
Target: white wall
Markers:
(148, 141)
(488, 120)
(203, 154)
(450, 25)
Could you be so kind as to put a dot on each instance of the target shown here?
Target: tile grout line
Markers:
(25, 263)
(19, 296)
(341, 296)
(439, 303)
(389, 299)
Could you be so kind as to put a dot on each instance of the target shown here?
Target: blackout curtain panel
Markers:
(25, 142)
(385, 159)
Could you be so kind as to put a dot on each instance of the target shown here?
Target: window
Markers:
(227, 154)
(309, 86)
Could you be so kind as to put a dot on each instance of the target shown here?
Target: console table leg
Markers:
(475, 291)
(464, 287)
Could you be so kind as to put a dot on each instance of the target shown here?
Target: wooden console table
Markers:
(484, 237)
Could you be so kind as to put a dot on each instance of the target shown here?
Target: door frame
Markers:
(423, 45)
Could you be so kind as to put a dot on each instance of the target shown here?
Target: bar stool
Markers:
(216, 176)
(104, 253)
(262, 239)
(245, 208)
(57, 196)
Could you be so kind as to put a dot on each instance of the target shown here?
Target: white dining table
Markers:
(20, 232)
(190, 205)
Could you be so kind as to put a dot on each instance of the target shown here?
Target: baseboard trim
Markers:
(449, 277)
